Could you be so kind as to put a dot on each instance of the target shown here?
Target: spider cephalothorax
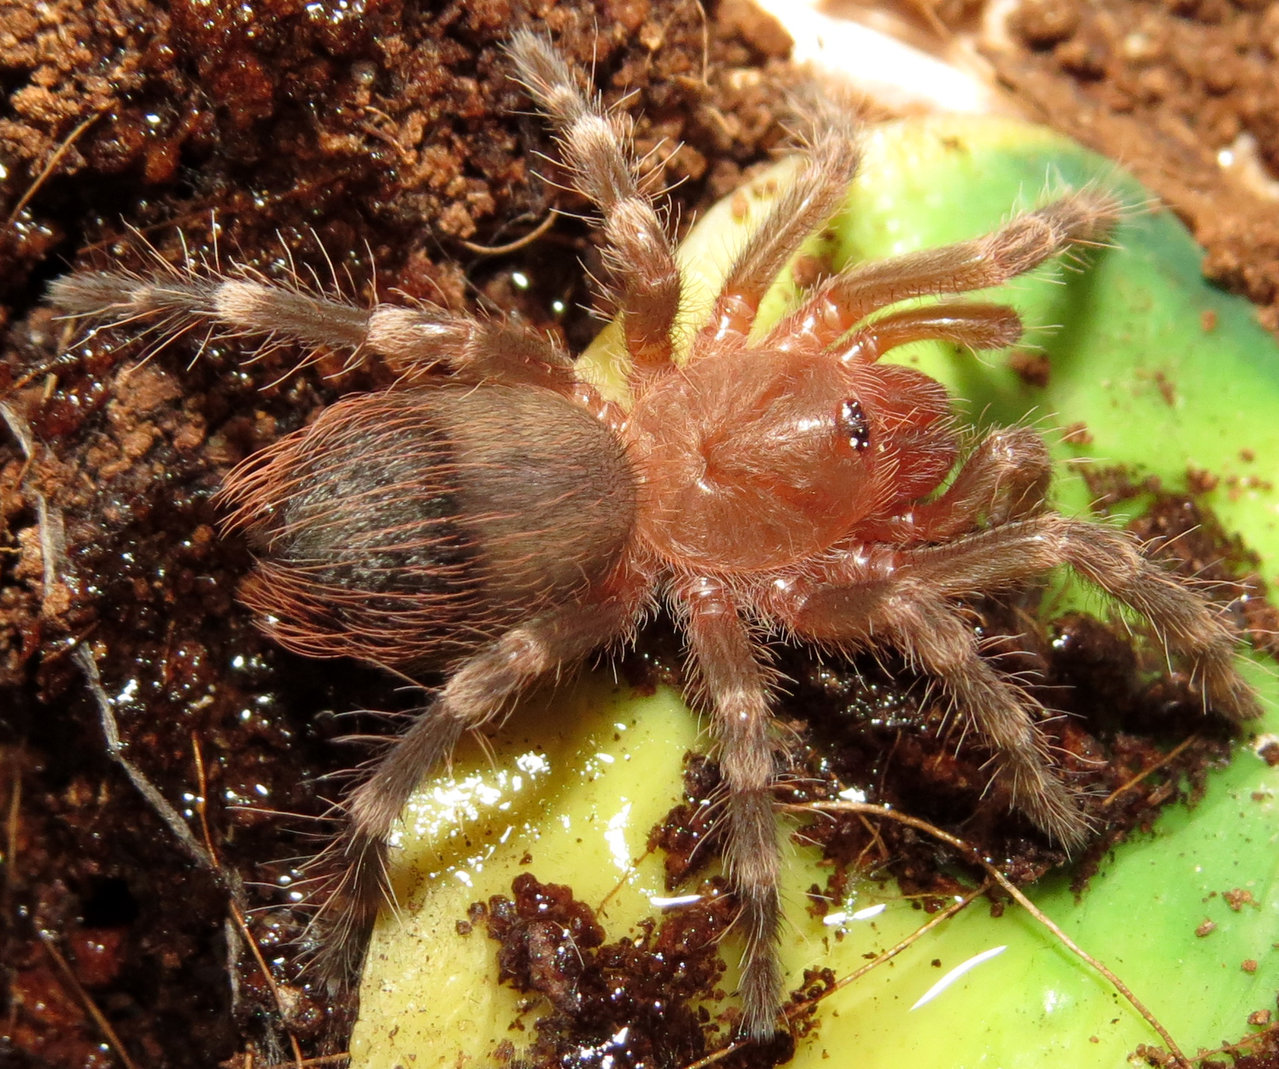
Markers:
(493, 517)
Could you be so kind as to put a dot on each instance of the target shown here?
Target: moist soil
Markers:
(379, 146)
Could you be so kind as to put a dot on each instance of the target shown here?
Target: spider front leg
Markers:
(965, 323)
(733, 682)
(847, 298)
(830, 162)
(476, 694)
(1004, 478)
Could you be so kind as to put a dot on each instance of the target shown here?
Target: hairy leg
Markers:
(734, 684)
(596, 147)
(843, 301)
(899, 610)
(1108, 559)
(477, 693)
(972, 325)
(904, 597)
(237, 303)
(1004, 478)
(831, 155)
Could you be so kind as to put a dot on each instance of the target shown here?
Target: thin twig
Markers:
(1167, 758)
(887, 955)
(83, 997)
(318, 1060)
(53, 550)
(237, 913)
(797, 1009)
(13, 821)
(115, 750)
(511, 246)
(1234, 1048)
(49, 166)
(972, 854)
(21, 430)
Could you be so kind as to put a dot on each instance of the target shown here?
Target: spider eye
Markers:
(853, 425)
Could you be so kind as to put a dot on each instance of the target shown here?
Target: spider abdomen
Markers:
(409, 526)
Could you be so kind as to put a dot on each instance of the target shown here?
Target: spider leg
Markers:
(831, 160)
(734, 684)
(874, 602)
(970, 324)
(1004, 478)
(595, 145)
(844, 300)
(411, 340)
(476, 694)
(1112, 561)
(904, 597)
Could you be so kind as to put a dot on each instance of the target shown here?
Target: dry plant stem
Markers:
(82, 996)
(1235, 1048)
(935, 921)
(237, 912)
(205, 856)
(511, 246)
(12, 824)
(492, 518)
(20, 430)
(798, 1009)
(54, 564)
(1151, 769)
(319, 1062)
(171, 818)
(50, 166)
(866, 809)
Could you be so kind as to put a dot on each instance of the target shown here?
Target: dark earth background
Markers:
(386, 136)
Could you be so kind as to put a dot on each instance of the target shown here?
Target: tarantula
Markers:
(491, 516)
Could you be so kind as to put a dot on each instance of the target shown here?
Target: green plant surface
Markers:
(1167, 374)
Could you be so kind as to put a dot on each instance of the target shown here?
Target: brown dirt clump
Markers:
(1181, 92)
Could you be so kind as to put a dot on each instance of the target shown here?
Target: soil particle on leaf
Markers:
(1238, 897)
(1034, 369)
(639, 1002)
